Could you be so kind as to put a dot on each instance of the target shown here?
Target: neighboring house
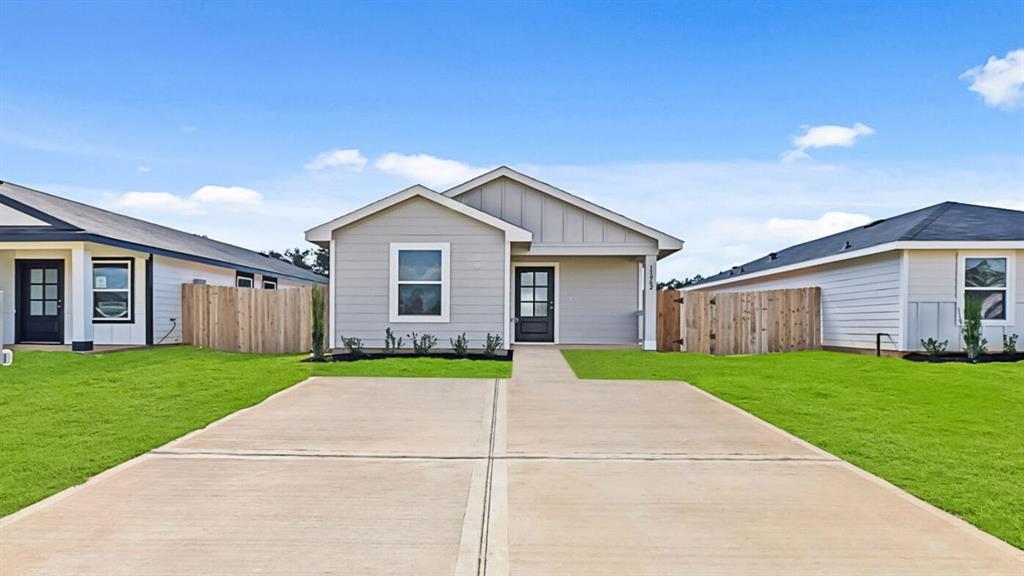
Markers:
(905, 277)
(502, 254)
(75, 274)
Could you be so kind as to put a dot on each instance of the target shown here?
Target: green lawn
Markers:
(951, 434)
(65, 417)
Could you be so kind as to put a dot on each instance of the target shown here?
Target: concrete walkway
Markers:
(543, 474)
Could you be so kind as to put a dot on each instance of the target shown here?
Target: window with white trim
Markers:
(112, 291)
(244, 280)
(269, 283)
(419, 286)
(986, 281)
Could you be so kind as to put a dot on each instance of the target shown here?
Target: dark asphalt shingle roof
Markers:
(948, 221)
(91, 220)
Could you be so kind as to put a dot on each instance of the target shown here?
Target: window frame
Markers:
(247, 276)
(272, 281)
(445, 282)
(130, 264)
(1009, 289)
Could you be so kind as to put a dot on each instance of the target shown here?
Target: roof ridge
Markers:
(939, 210)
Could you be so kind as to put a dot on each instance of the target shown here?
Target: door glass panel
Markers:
(51, 292)
(540, 309)
(35, 308)
(36, 275)
(36, 292)
(51, 308)
(540, 294)
(526, 278)
(526, 309)
(51, 276)
(541, 279)
(526, 294)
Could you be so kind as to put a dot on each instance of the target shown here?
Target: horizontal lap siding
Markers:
(168, 276)
(859, 298)
(362, 269)
(597, 298)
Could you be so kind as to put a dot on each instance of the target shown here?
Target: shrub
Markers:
(354, 345)
(318, 346)
(422, 344)
(492, 344)
(974, 342)
(391, 344)
(933, 347)
(460, 344)
(1009, 344)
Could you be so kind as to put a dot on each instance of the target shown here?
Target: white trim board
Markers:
(324, 232)
(665, 241)
(888, 246)
(558, 305)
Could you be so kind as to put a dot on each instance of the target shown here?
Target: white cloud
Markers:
(143, 169)
(211, 194)
(1000, 81)
(428, 170)
(349, 159)
(803, 229)
(205, 196)
(825, 136)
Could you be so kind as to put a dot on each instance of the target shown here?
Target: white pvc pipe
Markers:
(6, 358)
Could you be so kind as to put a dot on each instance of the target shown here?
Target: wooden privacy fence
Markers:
(248, 319)
(740, 322)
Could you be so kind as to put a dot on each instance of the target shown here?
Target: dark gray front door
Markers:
(40, 309)
(535, 304)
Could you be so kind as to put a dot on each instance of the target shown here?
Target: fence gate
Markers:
(745, 322)
(248, 319)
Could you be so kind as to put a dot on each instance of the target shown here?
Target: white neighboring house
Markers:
(502, 254)
(74, 274)
(905, 278)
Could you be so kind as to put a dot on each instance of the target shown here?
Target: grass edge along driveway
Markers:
(65, 417)
(950, 434)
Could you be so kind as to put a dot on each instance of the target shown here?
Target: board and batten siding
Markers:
(859, 298)
(362, 274)
(552, 221)
(598, 298)
(168, 276)
(932, 292)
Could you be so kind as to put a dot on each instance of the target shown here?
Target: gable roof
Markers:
(667, 244)
(322, 233)
(945, 222)
(73, 221)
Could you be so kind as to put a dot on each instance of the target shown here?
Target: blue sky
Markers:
(697, 119)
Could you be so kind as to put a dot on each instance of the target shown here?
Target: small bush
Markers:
(354, 345)
(422, 344)
(391, 344)
(492, 344)
(933, 347)
(318, 345)
(460, 344)
(974, 342)
(1009, 344)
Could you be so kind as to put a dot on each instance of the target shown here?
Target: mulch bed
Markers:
(961, 357)
(502, 356)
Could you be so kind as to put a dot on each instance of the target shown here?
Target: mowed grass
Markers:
(65, 417)
(951, 434)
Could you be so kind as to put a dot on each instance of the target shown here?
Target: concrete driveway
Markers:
(544, 474)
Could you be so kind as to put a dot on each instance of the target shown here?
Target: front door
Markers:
(40, 297)
(535, 304)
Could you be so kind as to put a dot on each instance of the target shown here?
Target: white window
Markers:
(112, 291)
(419, 282)
(244, 280)
(269, 283)
(986, 279)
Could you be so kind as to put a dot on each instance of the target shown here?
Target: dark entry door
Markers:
(40, 308)
(535, 304)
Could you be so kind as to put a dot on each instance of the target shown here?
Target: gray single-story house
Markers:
(73, 274)
(905, 278)
(502, 254)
